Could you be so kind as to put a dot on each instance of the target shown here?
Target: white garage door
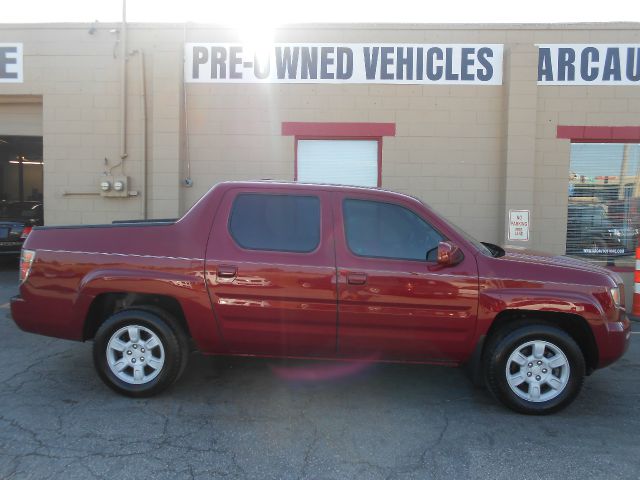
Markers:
(346, 162)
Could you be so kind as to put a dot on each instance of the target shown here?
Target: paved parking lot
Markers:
(238, 418)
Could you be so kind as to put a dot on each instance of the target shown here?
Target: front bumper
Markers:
(618, 337)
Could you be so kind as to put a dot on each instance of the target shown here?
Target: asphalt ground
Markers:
(242, 418)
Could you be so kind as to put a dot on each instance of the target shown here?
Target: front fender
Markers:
(494, 301)
(608, 328)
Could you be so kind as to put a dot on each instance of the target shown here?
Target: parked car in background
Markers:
(324, 272)
(591, 232)
(17, 219)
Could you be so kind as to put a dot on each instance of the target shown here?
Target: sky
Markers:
(276, 12)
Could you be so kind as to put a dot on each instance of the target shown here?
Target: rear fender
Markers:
(188, 290)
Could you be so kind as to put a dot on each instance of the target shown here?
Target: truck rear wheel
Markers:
(139, 353)
(534, 369)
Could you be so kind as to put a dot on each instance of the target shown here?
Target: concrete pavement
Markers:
(237, 418)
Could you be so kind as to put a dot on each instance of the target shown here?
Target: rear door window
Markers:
(287, 223)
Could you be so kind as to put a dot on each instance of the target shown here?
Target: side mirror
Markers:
(449, 254)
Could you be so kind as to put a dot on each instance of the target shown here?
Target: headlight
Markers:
(615, 295)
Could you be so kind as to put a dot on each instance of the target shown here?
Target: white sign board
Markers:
(451, 64)
(11, 63)
(584, 64)
(519, 225)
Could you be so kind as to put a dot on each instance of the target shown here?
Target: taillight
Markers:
(26, 260)
(25, 233)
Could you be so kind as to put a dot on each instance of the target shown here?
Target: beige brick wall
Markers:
(472, 152)
(573, 105)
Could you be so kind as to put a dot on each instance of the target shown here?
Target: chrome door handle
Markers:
(356, 278)
(227, 271)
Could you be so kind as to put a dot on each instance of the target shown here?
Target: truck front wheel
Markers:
(139, 353)
(534, 369)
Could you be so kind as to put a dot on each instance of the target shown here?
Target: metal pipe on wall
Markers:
(143, 96)
(188, 181)
(123, 87)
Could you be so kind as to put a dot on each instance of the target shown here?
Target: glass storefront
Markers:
(604, 202)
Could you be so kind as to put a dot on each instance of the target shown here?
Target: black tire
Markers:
(174, 348)
(502, 345)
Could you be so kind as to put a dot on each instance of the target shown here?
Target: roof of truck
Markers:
(316, 186)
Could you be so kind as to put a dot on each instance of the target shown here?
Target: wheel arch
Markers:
(574, 325)
(106, 304)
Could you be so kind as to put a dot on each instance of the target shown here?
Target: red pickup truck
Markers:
(324, 272)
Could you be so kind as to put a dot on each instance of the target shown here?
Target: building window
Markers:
(347, 162)
(342, 153)
(604, 201)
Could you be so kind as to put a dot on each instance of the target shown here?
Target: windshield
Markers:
(476, 243)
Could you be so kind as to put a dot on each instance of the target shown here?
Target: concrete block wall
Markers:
(77, 78)
(447, 144)
(449, 159)
(573, 105)
(472, 152)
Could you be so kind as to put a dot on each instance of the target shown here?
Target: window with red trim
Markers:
(342, 153)
(603, 218)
